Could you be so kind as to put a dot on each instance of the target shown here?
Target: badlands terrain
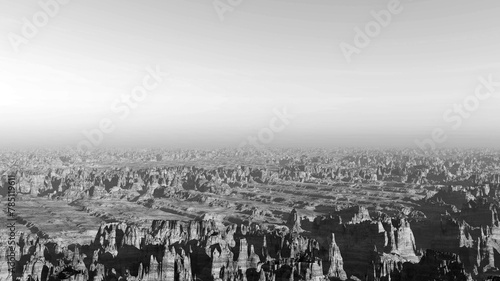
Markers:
(279, 214)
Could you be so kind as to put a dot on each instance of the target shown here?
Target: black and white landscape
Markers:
(249, 140)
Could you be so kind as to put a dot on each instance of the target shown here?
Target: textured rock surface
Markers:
(332, 215)
(336, 262)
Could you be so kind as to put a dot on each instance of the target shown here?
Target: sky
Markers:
(229, 75)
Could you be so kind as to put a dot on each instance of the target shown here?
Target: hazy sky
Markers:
(226, 77)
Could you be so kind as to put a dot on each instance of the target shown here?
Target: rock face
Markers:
(379, 216)
(294, 222)
(435, 265)
(209, 250)
(400, 237)
(336, 262)
(174, 250)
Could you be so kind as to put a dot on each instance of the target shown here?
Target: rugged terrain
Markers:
(253, 215)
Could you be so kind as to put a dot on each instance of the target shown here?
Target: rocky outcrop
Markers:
(336, 262)
(293, 222)
(446, 202)
(175, 250)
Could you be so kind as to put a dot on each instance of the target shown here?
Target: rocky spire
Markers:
(243, 255)
(294, 222)
(336, 262)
